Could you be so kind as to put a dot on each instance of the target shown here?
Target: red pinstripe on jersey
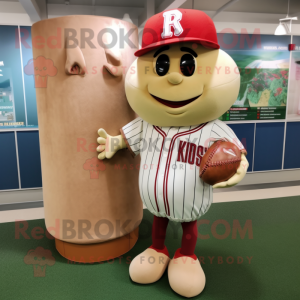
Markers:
(161, 132)
(170, 152)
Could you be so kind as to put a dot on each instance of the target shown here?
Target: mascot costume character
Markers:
(179, 85)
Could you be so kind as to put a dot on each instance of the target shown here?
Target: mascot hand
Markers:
(109, 145)
(237, 177)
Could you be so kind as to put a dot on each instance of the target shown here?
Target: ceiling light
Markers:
(285, 25)
(282, 29)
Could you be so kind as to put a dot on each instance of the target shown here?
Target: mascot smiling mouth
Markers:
(175, 104)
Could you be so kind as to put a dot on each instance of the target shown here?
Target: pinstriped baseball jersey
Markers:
(169, 180)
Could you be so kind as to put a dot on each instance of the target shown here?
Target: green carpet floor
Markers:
(272, 273)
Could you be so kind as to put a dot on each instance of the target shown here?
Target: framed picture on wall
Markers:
(7, 103)
(17, 91)
(263, 62)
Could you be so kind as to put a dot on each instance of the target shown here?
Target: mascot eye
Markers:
(187, 65)
(162, 65)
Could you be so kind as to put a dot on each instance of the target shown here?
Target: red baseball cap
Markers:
(178, 25)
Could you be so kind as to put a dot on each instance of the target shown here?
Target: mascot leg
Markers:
(151, 264)
(186, 276)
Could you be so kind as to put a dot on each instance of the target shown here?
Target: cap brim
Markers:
(205, 43)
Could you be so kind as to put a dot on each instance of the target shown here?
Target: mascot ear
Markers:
(114, 63)
(75, 64)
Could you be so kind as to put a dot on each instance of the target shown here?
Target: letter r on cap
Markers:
(169, 22)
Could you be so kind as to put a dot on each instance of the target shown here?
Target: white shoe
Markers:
(149, 266)
(186, 276)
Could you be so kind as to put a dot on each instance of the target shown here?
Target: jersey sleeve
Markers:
(132, 134)
(220, 131)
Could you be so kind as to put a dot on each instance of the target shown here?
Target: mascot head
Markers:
(181, 77)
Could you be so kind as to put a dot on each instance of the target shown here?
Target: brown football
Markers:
(220, 162)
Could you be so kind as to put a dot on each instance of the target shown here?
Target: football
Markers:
(220, 162)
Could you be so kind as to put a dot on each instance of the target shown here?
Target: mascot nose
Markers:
(175, 78)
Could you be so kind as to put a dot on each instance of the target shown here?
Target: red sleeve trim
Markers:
(126, 142)
(244, 151)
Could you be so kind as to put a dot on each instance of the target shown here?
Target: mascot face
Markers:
(182, 84)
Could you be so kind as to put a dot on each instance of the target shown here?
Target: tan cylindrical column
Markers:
(92, 208)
